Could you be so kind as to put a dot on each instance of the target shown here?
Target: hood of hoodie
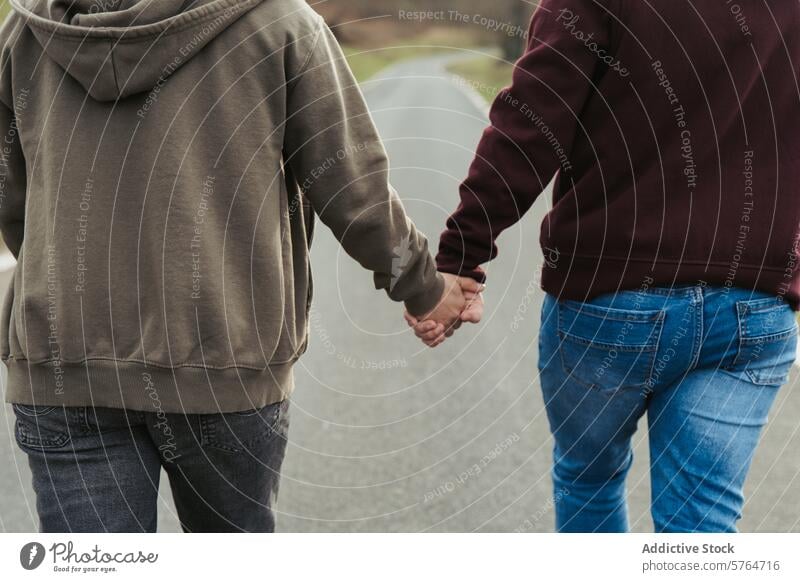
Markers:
(117, 48)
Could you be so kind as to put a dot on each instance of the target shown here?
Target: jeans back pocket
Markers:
(42, 427)
(236, 432)
(606, 348)
(767, 341)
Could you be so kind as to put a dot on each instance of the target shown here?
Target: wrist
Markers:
(426, 301)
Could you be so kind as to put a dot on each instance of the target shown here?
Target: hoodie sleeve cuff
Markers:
(426, 301)
(457, 267)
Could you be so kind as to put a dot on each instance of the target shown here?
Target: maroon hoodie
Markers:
(673, 129)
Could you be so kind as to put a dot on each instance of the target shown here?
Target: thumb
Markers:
(469, 285)
(410, 319)
(471, 315)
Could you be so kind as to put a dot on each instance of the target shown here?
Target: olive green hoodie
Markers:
(160, 167)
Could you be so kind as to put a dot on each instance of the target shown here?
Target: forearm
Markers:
(533, 126)
(338, 159)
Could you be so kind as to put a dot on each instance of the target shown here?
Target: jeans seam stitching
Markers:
(741, 329)
(45, 410)
(698, 303)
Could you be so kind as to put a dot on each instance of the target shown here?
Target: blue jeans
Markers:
(98, 469)
(704, 364)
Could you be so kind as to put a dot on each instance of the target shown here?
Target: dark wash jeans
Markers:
(704, 364)
(98, 469)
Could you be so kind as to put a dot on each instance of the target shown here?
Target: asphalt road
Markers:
(387, 436)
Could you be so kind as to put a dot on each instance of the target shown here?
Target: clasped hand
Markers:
(462, 302)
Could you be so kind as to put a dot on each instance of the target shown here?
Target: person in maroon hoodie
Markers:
(673, 131)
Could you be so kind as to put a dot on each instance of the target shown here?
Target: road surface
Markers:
(388, 436)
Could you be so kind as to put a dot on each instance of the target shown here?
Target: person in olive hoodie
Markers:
(162, 162)
(672, 270)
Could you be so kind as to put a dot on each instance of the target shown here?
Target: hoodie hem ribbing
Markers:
(583, 277)
(145, 388)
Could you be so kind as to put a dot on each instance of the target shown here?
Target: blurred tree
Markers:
(512, 18)
(514, 44)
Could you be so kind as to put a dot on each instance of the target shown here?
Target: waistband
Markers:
(137, 386)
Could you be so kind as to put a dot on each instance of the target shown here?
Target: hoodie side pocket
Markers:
(9, 342)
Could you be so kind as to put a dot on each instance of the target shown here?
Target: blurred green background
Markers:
(378, 33)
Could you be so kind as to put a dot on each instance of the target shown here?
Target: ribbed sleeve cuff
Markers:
(456, 266)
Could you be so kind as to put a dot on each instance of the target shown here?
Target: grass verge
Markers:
(368, 59)
(487, 75)
(367, 62)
